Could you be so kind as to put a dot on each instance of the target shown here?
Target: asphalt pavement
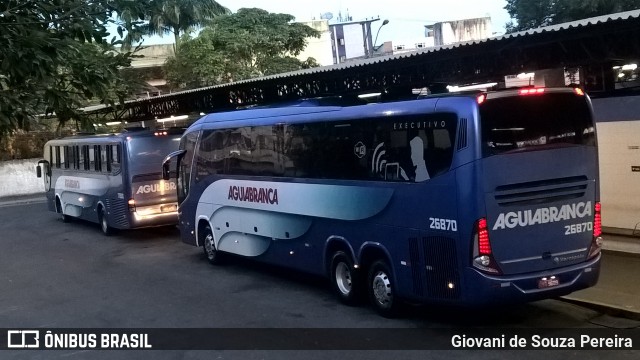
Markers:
(618, 289)
(617, 292)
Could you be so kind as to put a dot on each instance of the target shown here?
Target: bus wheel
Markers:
(344, 279)
(63, 217)
(104, 223)
(209, 247)
(380, 288)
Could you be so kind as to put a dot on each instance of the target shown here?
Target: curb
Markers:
(22, 200)
(603, 308)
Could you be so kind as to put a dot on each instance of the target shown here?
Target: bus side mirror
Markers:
(166, 170)
(45, 165)
(166, 164)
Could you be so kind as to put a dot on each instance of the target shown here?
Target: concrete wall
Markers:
(450, 32)
(618, 126)
(318, 48)
(18, 177)
(619, 150)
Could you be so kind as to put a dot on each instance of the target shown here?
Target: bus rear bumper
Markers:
(161, 219)
(483, 289)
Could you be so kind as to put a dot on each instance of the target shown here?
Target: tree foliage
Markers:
(529, 14)
(243, 45)
(55, 56)
(174, 17)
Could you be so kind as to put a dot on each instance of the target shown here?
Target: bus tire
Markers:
(345, 280)
(209, 247)
(63, 217)
(104, 223)
(380, 289)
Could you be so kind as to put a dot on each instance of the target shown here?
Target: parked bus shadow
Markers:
(424, 315)
(160, 233)
(279, 273)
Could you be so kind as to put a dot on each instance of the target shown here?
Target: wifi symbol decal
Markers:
(377, 161)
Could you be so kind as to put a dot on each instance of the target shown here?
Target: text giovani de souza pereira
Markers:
(614, 341)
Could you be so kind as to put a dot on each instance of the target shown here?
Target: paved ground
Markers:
(618, 290)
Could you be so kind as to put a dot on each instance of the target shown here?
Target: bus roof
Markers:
(265, 116)
(306, 111)
(135, 133)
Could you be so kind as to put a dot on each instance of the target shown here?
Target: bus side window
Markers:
(92, 158)
(79, 158)
(209, 160)
(96, 156)
(57, 162)
(105, 158)
(63, 157)
(85, 155)
(71, 158)
(116, 155)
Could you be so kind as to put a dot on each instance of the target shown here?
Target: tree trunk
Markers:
(176, 35)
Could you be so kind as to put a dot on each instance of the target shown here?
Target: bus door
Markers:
(539, 171)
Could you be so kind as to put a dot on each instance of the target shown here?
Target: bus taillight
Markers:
(482, 255)
(596, 242)
(597, 220)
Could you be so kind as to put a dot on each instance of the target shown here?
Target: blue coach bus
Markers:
(469, 199)
(112, 179)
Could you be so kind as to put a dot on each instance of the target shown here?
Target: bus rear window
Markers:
(535, 122)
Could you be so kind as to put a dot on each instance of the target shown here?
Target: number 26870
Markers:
(443, 224)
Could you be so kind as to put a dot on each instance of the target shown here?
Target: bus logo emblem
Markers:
(360, 150)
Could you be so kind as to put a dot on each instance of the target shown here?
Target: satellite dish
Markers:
(326, 16)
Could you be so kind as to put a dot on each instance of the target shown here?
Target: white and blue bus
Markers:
(112, 179)
(469, 199)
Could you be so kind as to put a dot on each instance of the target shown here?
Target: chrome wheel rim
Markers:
(382, 289)
(105, 225)
(343, 278)
(209, 247)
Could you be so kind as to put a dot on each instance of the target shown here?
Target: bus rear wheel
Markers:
(104, 223)
(209, 247)
(345, 281)
(381, 290)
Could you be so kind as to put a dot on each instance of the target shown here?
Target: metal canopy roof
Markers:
(596, 42)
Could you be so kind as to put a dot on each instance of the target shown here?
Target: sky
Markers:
(406, 17)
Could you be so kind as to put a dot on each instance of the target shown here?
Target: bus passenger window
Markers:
(79, 158)
(96, 157)
(56, 161)
(85, 155)
(105, 159)
(68, 150)
(115, 157)
(63, 157)
(91, 157)
(207, 159)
